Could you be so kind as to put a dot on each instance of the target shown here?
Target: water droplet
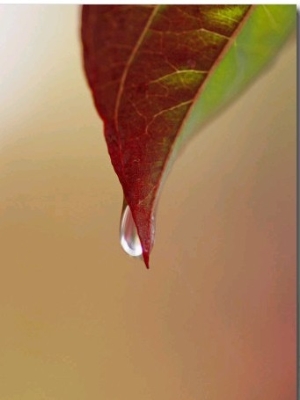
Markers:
(129, 238)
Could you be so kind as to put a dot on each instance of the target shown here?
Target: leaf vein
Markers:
(182, 71)
(130, 60)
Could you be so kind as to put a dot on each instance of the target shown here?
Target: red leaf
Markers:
(136, 59)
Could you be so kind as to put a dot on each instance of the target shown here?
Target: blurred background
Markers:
(214, 317)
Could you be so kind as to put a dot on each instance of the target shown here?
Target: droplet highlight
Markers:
(129, 238)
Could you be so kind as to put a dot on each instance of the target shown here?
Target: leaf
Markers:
(157, 73)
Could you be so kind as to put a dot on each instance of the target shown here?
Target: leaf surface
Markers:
(157, 73)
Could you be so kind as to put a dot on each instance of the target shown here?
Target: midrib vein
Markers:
(130, 60)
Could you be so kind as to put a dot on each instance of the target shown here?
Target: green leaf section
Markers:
(263, 34)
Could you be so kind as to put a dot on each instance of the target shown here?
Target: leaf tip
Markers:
(146, 259)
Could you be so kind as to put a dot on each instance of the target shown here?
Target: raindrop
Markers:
(129, 238)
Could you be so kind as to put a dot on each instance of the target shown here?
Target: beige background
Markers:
(214, 317)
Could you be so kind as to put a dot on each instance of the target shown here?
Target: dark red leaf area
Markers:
(145, 65)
